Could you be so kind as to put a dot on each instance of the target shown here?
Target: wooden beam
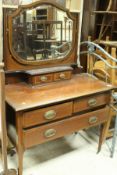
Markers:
(3, 131)
(105, 12)
(3, 122)
(80, 27)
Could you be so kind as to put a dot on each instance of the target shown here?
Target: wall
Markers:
(74, 5)
(70, 4)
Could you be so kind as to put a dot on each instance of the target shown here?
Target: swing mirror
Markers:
(41, 31)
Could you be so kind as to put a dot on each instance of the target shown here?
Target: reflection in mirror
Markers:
(42, 33)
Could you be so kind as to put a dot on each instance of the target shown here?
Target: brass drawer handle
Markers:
(92, 102)
(43, 78)
(62, 76)
(50, 115)
(50, 133)
(93, 120)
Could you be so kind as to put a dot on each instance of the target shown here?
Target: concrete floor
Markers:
(72, 155)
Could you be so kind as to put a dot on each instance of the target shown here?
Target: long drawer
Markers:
(91, 102)
(55, 130)
(40, 116)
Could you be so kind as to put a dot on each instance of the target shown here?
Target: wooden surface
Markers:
(47, 78)
(3, 133)
(36, 135)
(36, 117)
(90, 102)
(48, 70)
(62, 75)
(21, 96)
(108, 43)
(1, 32)
(36, 80)
(105, 12)
(59, 99)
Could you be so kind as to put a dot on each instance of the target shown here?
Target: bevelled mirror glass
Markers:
(41, 33)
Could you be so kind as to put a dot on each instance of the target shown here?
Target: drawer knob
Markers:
(43, 78)
(92, 102)
(93, 120)
(62, 76)
(50, 115)
(50, 133)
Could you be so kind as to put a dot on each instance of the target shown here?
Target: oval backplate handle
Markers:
(50, 133)
(49, 115)
(92, 102)
(43, 78)
(62, 76)
(93, 120)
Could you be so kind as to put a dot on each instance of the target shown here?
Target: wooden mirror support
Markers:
(42, 34)
(3, 132)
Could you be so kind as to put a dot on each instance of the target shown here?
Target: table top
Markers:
(22, 96)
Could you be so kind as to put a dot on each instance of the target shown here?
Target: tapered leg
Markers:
(104, 131)
(102, 136)
(20, 147)
(20, 160)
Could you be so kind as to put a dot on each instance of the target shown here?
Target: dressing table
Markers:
(45, 99)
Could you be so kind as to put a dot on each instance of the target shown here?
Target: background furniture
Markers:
(106, 70)
(101, 26)
(99, 68)
(113, 106)
(106, 17)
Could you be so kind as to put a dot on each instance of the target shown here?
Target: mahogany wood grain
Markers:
(36, 80)
(36, 117)
(37, 135)
(85, 103)
(25, 99)
(39, 77)
(48, 70)
(30, 103)
(3, 131)
(62, 75)
(21, 96)
(20, 145)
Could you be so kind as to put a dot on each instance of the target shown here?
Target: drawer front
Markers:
(44, 78)
(44, 115)
(91, 102)
(40, 79)
(62, 75)
(58, 129)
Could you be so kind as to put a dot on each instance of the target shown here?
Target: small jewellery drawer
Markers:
(91, 102)
(62, 75)
(43, 78)
(61, 128)
(44, 115)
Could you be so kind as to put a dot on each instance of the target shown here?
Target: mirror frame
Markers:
(49, 61)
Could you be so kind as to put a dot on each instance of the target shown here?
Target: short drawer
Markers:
(43, 78)
(44, 115)
(62, 75)
(91, 102)
(64, 127)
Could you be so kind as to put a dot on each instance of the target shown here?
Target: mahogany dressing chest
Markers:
(45, 99)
